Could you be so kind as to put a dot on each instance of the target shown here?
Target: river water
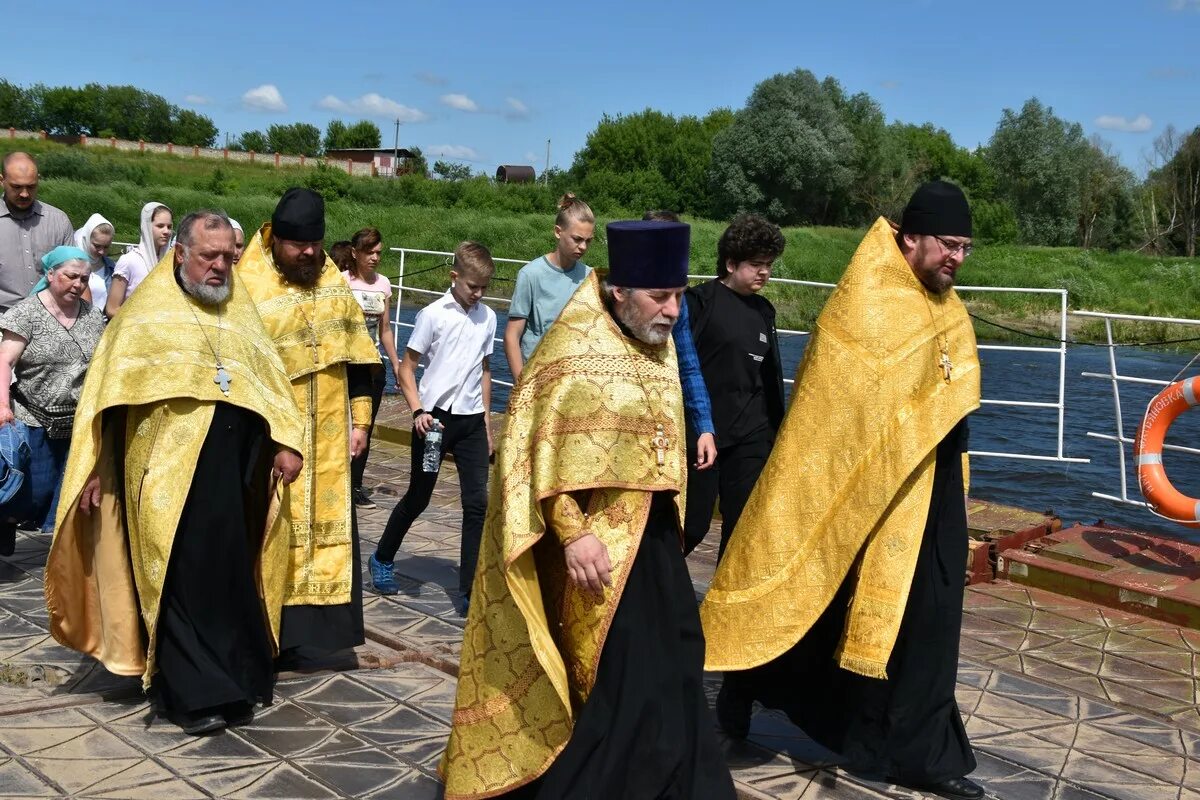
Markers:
(1064, 488)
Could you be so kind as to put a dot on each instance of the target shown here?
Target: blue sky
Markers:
(489, 83)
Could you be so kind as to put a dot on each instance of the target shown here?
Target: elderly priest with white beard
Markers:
(169, 557)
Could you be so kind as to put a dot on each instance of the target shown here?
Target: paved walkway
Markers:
(1062, 700)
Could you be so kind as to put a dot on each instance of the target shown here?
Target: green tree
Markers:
(65, 112)
(416, 164)
(340, 136)
(191, 129)
(252, 141)
(1038, 161)
(297, 139)
(1177, 183)
(363, 133)
(16, 110)
(787, 154)
(651, 159)
(449, 171)
(335, 134)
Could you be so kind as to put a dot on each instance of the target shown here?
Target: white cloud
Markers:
(431, 79)
(331, 103)
(1140, 124)
(373, 105)
(197, 100)
(516, 109)
(264, 98)
(532, 157)
(1184, 5)
(889, 84)
(460, 102)
(452, 151)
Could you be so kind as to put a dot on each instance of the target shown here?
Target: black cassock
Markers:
(645, 731)
(213, 643)
(907, 728)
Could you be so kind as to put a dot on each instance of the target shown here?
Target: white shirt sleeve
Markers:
(422, 333)
(489, 346)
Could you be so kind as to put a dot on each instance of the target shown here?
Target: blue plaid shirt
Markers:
(695, 393)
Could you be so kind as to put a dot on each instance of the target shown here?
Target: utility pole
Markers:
(396, 153)
(546, 170)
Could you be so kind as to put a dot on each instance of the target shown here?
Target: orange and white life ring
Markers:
(1164, 499)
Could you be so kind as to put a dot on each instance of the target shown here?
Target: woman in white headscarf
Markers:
(135, 265)
(239, 239)
(94, 238)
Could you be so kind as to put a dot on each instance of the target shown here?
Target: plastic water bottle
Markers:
(433, 449)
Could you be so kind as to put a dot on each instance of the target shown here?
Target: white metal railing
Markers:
(1115, 379)
(1059, 405)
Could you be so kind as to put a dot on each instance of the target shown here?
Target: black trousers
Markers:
(465, 437)
(731, 479)
(358, 465)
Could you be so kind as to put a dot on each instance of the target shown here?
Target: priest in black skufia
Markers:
(581, 671)
(168, 559)
(319, 331)
(734, 330)
(840, 597)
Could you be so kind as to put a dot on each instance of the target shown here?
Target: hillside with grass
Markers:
(515, 221)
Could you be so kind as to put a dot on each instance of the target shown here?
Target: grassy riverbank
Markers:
(515, 222)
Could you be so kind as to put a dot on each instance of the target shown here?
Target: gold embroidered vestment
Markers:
(578, 454)
(317, 332)
(154, 362)
(851, 471)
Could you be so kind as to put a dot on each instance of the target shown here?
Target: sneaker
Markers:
(383, 576)
(362, 498)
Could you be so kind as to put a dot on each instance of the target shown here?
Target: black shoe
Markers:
(953, 788)
(238, 714)
(362, 498)
(200, 725)
(733, 711)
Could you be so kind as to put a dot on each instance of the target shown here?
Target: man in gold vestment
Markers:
(320, 333)
(839, 599)
(581, 664)
(169, 556)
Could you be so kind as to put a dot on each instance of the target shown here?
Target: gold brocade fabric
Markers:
(851, 471)
(317, 331)
(583, 416)
(154, 361)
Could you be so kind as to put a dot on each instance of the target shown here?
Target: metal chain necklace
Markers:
(940, 337)
(222, 378)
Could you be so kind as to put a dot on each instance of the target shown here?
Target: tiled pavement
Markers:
(1062, 700)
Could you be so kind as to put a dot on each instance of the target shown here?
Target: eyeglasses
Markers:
(954, 247)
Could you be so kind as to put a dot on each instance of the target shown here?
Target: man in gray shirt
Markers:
(28, 229)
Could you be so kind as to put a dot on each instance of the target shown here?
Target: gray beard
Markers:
(642, 330)
(204, 294)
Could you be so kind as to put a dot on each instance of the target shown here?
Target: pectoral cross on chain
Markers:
(946, 365)
(223, 379)
(661, 443)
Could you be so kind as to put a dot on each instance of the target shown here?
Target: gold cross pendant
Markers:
(946, 365)
(661, 443)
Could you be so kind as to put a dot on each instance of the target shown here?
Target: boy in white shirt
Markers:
(452, 338)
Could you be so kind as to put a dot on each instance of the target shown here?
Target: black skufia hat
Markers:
(648, 254)
(937, 208)
(299, 216)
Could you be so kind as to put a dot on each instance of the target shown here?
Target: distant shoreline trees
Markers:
(123, 112)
